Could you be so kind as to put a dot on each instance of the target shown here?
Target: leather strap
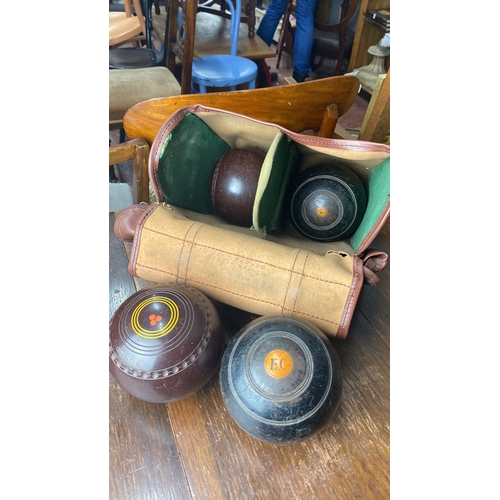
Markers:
(374, 261)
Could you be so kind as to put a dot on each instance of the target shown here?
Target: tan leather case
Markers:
(262, 271)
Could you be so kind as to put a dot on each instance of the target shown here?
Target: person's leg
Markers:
(270, 21)
(304, 31)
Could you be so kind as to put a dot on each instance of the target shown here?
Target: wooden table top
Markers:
(191, 449)
(212, 37)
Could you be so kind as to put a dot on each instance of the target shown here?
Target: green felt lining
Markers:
(186, 162)
(192, 150)
(378, 195)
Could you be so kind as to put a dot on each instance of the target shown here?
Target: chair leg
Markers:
(264, 74)
(329, 121)
(286, 35)
(338, 66)
(112, 174)
(316, 63)
(250, 12)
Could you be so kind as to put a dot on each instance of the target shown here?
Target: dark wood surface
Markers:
(191, 449)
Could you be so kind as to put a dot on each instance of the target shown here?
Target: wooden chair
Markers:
(309, 106)
(138, 151)
(203, 34)
(137, 83)
(128, 26)
(331, 41)
(376, 123)
(225, 70)
(134, 57)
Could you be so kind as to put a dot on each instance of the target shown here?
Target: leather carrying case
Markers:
(269, 268)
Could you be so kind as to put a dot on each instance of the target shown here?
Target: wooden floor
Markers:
(191, 449)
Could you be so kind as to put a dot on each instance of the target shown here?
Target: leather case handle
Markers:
(127, 220)
(374, 261)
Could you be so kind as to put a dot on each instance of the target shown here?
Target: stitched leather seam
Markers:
(342, 144)
(290, 280)
(300, 282)
(249, 259)
(209, 285)
(346, 145)
(351, 295)
(166, 129)
(182, 251)
(132, 265)
(351, 302)
(119, 225)
(191, 253)
(373, 233)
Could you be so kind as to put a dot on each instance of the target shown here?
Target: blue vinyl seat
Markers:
(225, 70)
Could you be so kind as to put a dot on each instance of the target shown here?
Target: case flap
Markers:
(377, 210)
(181, 174)
(269, 211)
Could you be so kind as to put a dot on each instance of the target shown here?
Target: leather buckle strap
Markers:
(374, 261)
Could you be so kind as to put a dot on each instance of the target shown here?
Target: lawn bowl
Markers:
(165, 343)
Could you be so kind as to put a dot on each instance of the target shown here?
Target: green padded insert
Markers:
(186, 161)
(270, 210)
(378, 195)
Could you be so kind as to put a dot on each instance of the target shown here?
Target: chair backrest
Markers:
(138, 12)
(235, 24)
(296, 107)
(326, 23)
(323, 14)
(234, 17)
(331, 36)
(128, 27)
(247, 14)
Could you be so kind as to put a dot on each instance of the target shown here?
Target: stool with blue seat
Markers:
(224, 70)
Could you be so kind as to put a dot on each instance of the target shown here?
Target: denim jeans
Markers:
(302, 45)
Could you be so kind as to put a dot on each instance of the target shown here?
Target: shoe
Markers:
(299, 77)
(274, 76)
